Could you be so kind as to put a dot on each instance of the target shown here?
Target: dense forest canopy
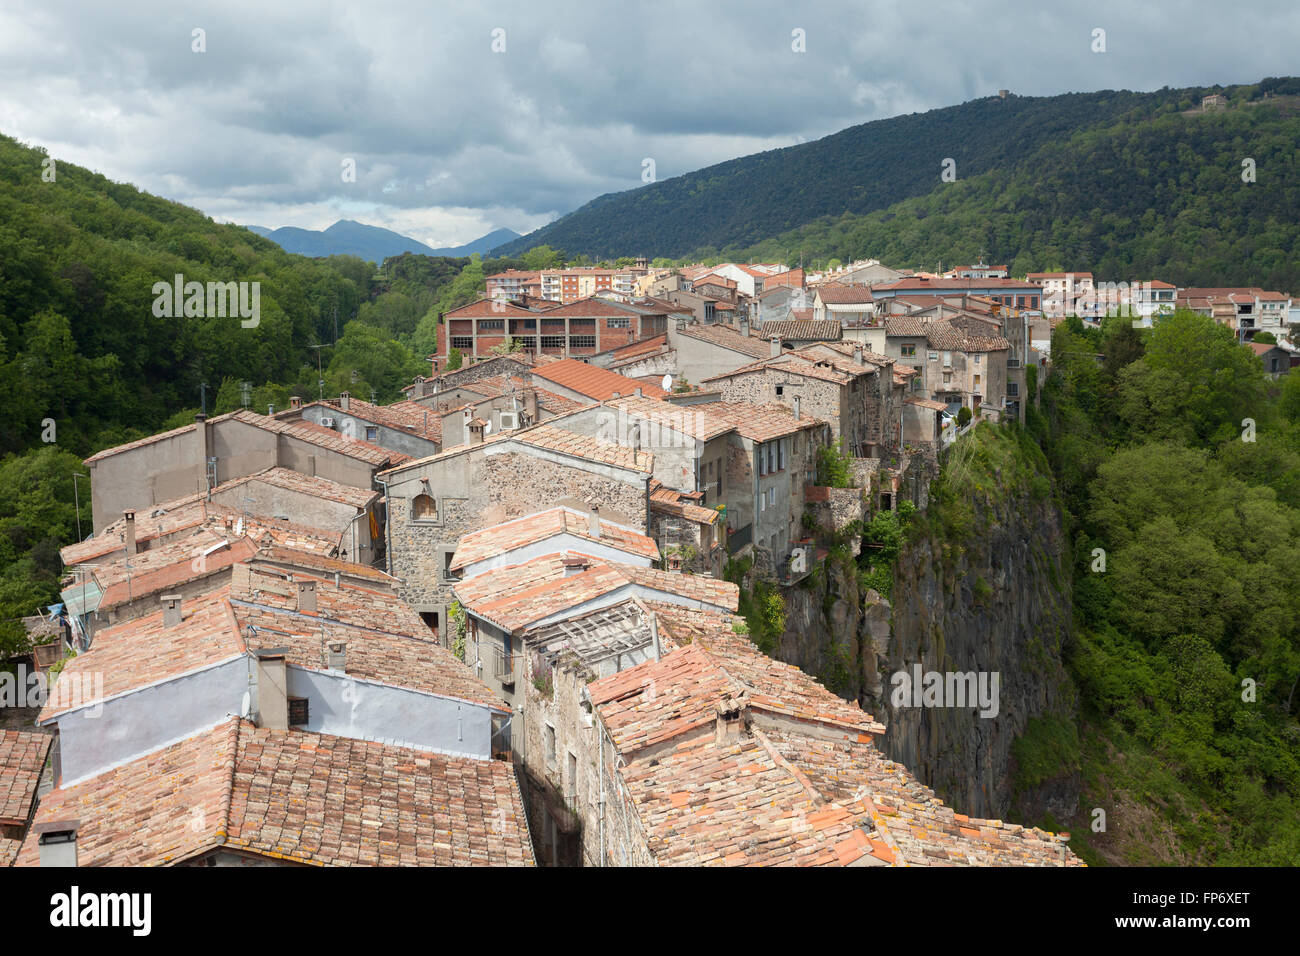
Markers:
(1178, 464)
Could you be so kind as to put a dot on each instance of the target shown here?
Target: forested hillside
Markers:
(1132, 185)
(1179, 464)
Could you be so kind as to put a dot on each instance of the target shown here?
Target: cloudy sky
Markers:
(464, 118)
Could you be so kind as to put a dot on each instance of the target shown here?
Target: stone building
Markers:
(433, 502)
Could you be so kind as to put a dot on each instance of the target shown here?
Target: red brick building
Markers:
(580, 328)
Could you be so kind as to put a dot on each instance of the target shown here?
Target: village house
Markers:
(688, 742)
(142, 475)
(401, 427)
(502, 603)
(1244, 310)
(240, 793)
(1066, 293)
(852, 389)
(433, 502)
(1011, 293)
(961, 362)
(1277, 360)
(301, 650)
(850, 305)
(705, 350)
(778, 302)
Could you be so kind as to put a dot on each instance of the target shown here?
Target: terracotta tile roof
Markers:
(186, 561)
(488, 308)
(312, 485)
(323, 564)
(596, 383)
(411, 409)
(296, 797)
(948, 335)
(797, 328)
(905, 325)
(555, 438)
(550, 436)
(728, 338)
(520, 532)
(644, 347)
(387, 641)
(834, 293)
(925, 283)
(406, 417)
(670, 501)
(926, 403)
(793, 364)
(759, 422)
(144, 651)
(22, 760)
(171, 518)
(519, 596)
(714, 279)
(691, 420)
(322, 437)
(802, 784)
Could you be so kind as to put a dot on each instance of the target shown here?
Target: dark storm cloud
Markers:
(451, 138)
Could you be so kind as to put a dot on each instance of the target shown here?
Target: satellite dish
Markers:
(667, 383)
(246, 708)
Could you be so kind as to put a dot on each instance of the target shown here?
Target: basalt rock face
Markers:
(995, 603)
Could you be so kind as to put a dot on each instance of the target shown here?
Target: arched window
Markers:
(424, 508)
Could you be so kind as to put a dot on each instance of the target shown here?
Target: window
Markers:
(491, 325)
(447, 557)
(582, 341)
(619, 323)
(934, 356)
(780, 455)
(372, 433)
(424, 508)
(1013, 390)
(549, 735)
(978, 356)
(909, 351)
(947, 358)
(462, 341)
(780, 390)
(947, 378)
(552, 341)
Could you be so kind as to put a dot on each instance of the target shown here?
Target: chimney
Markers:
(744, 326)
(57, 840)
(593, 521)
(530, 404)
(796, 407)
(311, 466)
(338, 655)
(272, 689)
(732, 717)
(345, 400)
(307, 596)
(637, 391)
(171, 610)
(774, 346)
(270, 410)
(575, 564)
(129, 518)
(857, 354)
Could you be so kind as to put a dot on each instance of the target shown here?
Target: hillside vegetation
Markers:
(1127, 185)
(1179, 464)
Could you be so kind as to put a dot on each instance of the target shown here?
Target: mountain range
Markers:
(350, 238)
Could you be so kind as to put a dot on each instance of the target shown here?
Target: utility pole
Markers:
(320, 374)
(76, 497)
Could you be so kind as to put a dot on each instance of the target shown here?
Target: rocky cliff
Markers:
(980, 588)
